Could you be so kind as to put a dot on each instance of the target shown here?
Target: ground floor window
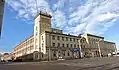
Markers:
(42, 55)
(54, 54)
(68, 53)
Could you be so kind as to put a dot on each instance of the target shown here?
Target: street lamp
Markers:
(99, 47)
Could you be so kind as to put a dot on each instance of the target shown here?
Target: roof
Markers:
(43, 14)
(56, 29)
(62, 34)
(95, 36)
(109, 42)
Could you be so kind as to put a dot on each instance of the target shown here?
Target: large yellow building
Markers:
(49, 44)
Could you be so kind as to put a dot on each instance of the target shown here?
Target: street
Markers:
(105, 63)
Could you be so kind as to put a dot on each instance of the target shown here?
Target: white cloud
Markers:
(26, 9)
(94, 16)
(103, 17)
(89, 16)
(59, 5)
(80, 27)
(59, 19)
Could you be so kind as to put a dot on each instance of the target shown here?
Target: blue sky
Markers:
(100, 17)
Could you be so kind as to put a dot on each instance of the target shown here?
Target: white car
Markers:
(117, 54)
(109, 54)
(60, 58)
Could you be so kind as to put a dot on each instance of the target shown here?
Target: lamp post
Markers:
(99, 47)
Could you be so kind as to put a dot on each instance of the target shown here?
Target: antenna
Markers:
(45, 11)
(36, 6)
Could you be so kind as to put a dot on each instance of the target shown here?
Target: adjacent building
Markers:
(97, 47)
(5, 56)
(1, 13)
(48, 43)
(24, 50)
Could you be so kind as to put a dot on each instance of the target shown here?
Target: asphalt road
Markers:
(110, 63)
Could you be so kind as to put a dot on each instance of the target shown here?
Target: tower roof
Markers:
(43, 14)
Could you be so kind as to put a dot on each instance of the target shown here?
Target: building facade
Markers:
(24, 50)
(97, 46)
(48, 43)
(1, 13)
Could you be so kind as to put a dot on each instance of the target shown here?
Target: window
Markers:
(53, 44)
(66, 39)
(36, 28)
(42, 55)
(74, 45)
(81, 41)
(77, 40)
(31, 41)
(63, 38)
(92, 41)
(68, 53)
(42, 45)
(53, 37)
(36, 33)
(67, 45)
(84, 46)
(70, 39)
(62, 45)
(74, 39)
(58, 44)
(58, 38)
(78, 46)
(71, 45)
(42, 37)
(31, 47)
(54, 54)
